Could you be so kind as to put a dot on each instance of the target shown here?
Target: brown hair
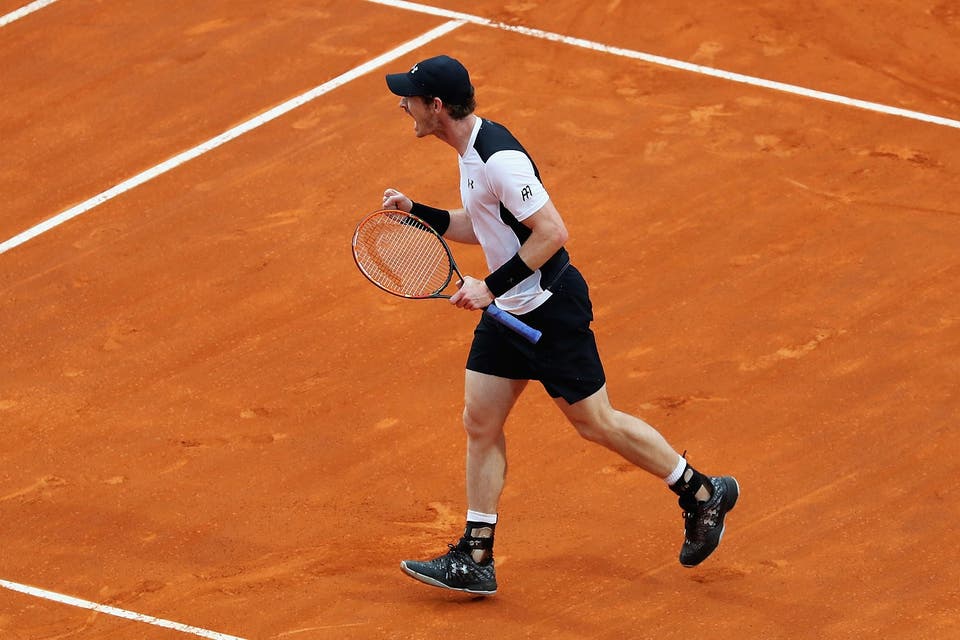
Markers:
(456, 111)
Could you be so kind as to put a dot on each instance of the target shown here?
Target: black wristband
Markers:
(439, 219)
(508, 275)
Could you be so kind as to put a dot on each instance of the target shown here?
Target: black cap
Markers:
(442, 77)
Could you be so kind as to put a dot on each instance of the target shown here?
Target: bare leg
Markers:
(596, 420)
(488, 402)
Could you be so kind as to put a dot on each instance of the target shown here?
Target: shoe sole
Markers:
(723, 529)
(436, 583)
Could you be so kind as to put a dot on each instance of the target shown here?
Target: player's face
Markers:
(424, 116)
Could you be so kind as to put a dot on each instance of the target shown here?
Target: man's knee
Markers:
(591, 428)
(480, 425)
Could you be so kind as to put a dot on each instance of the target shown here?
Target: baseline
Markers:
(675, 64)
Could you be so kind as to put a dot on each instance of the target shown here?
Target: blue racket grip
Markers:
(513, 323)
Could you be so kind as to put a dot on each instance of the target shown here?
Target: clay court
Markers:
(214, 427)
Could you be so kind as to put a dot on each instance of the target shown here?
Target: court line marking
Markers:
(457, 19)
(675, 64)
(229, 135)
(160, 169)
(114, 611)
(23, 11)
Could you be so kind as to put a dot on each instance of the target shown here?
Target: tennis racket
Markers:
(403, 255)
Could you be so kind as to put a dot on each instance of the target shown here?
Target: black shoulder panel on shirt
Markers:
(494, 137)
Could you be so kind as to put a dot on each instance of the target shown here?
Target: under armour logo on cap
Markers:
(442, 77)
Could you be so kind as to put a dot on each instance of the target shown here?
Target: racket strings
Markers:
(402, 255)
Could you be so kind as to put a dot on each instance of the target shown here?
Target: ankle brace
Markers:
(690, 482)
(471, 542)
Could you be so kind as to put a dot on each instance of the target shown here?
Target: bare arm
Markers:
(549, 234)
(460, 229)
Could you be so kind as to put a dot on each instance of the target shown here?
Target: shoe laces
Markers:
(698, 517)
(458, 562)
(457, 554)
(690, 508)
(454, 550)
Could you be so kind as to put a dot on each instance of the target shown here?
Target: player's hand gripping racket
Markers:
(403, 255)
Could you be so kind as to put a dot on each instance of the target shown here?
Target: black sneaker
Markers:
(456, 570)
(703, 521)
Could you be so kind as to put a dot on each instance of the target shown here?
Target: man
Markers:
(509, 213)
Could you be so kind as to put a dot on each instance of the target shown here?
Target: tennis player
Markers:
(507, 210)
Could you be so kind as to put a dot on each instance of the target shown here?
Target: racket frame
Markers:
(503, 317)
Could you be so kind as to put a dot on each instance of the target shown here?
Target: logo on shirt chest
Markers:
(469, 183)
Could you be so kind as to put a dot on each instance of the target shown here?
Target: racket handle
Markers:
(513, 323)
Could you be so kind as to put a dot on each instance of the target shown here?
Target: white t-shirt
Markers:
(499, 188)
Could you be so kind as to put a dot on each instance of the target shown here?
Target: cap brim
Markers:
(401, 85)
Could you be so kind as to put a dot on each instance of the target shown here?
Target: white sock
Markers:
(677, 472)
(477, 516)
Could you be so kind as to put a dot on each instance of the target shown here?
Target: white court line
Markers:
(22, 11)
(162, 168)
(675, 64)
(113, 611)
(457, 20)
(229, 135)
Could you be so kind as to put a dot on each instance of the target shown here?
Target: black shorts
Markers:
(565, 360)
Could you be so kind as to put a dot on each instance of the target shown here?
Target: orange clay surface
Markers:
(208, 416)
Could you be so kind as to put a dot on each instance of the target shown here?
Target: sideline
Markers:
(23, 11)
(113, 611)
(229, 135)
